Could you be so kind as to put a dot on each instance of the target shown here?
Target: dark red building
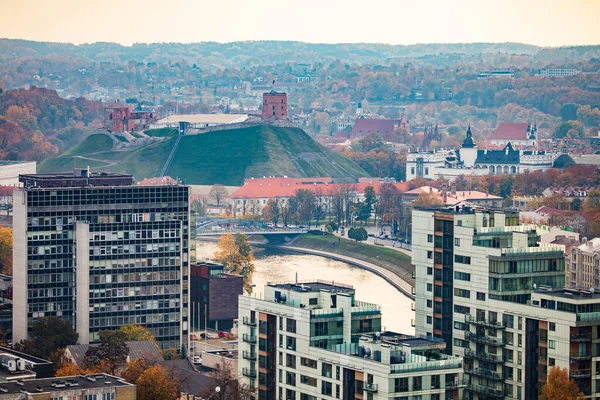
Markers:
(121, 118)
(214, 292)
(274, 105)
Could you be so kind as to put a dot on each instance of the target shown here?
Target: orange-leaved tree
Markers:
(6, 250)
(156, 383)
(560, 387)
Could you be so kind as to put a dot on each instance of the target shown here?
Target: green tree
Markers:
(358, 234)
(135, 333)
(366, 206)
(568, 112)
(47, 336)
(235, 253)
(111, 352)
(572, 129)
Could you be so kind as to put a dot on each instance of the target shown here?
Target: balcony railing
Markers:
(580, 373)
(581, 338)
(484, 339)
(248, 338)
(470, 319)
(249, 321)
(370, 387)
(490, 392)
(580, 357)
(485, 373)
(249, 355)
(249, 372)
(496, 358)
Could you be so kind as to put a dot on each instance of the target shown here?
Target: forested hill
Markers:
(254, 52)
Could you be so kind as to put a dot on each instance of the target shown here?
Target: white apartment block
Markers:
(314, 341)
(494, 294)
(558, 72)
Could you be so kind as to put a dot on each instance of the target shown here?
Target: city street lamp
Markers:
(406, 234)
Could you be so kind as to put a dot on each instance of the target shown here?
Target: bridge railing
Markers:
(248, 231)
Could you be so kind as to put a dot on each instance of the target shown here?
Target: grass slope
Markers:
(390, 259)
(160, 132)
(225, 156)
(229, 156)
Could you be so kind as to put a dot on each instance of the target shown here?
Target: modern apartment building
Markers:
(314, 340)
(96, 250)
(476, 271)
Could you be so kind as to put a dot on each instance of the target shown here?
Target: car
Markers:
(197, 360)
(222, 334)
(371, 235)
(206, 336)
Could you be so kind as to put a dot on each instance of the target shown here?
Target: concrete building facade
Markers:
(95, 250)
(488, 287)
(313, 341)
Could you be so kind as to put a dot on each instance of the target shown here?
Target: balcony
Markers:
(248, 338)
(580, 373)
(470, 319)
(484, 339)
(370, 387)
(249, 322)
(249, 355)
(249, 372)
(581, 338)
(484, 373)
(495, 358)
(579, 357)
(489, 392)
(456, 384)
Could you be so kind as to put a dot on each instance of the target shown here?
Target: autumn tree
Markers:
(235, 253)
(271, 211)
(134, 369)
(69, 369)
(305, 199)
(428, 199)
(390, 205)
(560, 387)
(198, 205)
(6, 250)
(156, 383)
(47, 336)
(135, 333)
(218, 193)
(230, 388)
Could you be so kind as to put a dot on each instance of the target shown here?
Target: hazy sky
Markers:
(540, 22)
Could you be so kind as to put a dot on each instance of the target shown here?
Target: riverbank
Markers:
(393, 266)
(387, 258)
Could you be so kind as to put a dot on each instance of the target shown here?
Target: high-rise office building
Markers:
(495, 293)
(93, 249)
(314, 341)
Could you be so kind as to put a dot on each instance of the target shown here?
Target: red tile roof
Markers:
(364, 126)
(162, 181)
(510, 131)
(286, 187)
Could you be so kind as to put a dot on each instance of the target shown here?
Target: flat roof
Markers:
(204, 119)
(62, 384)
(567, 293)
(313, 286)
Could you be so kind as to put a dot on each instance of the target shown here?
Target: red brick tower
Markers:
(274, 105)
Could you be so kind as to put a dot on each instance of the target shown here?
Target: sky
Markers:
(538, 22)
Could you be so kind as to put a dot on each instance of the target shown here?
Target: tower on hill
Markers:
(274, 105)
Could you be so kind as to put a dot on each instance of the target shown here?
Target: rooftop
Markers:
(63, 384)
(591, 246)
(566, 293)
(77, 178)
(160, 181)
(204, 119)
(145, 349)
(511, 131)
(313, 287)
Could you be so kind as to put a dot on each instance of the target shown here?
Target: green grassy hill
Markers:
(225, 157)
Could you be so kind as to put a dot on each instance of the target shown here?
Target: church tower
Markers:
(468, 150)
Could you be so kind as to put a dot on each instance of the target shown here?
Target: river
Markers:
(278, 266)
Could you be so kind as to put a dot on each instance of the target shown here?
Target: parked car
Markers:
(197, 360)
(206, 336)
(222, 334)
